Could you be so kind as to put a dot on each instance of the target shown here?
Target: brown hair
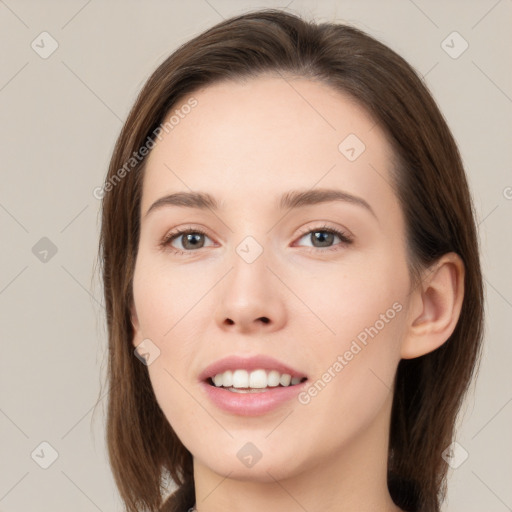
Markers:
(432, 189)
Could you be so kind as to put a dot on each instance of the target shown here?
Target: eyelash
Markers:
(344, 237)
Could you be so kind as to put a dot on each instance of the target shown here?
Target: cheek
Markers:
(355, 360)
(166, 297)
(200, 429)
(170, 310)
(344, 301)
(170, 384)
(353, 384)
(175, 400)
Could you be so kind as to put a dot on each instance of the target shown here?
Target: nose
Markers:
(251, 298)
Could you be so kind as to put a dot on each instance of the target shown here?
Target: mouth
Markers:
(259, 380)
(251, 385)
(254, 393)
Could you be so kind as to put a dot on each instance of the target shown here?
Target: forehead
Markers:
(255, 139)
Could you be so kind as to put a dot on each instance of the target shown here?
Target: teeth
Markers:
(257, 379)
(227, 378)
(240, 379)
(285, 379)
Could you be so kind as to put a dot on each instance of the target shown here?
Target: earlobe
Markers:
(437, 305)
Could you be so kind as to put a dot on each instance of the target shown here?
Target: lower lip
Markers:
(251, 404)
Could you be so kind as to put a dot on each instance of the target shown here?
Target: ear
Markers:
(137, 334)
(435, 307)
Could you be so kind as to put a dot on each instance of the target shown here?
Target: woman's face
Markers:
(271, 277)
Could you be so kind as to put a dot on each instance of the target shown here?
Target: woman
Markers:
(289, 250)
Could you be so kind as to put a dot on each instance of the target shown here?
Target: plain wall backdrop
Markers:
(70, 73)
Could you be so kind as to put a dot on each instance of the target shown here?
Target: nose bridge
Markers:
(250, 274)
(251, 235)
(253, 251)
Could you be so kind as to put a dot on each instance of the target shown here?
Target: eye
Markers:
(193, 238)
(324, 237)
(189, 238)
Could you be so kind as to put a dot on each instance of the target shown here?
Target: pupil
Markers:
(323, 236)
(189, 238)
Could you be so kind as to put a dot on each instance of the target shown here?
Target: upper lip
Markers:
(235, 362)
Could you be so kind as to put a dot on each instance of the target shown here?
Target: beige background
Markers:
(60, 118)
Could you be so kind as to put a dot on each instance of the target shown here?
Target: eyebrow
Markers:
(290, 200)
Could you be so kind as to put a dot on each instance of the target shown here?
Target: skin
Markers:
(247, 144)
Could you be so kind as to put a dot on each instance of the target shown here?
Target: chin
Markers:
(264, 470)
